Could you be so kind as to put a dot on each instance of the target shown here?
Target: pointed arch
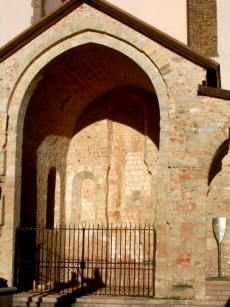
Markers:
(76, 210)
(208, 154)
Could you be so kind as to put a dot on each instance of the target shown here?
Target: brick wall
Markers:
(38, 10)
(202, 26)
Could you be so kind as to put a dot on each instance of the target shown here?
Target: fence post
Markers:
(83, 258)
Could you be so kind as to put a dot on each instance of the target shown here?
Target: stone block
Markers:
(191, 245)
(2, 162)
(160, 288)
(173, 218)
(198, 259)
(191, 217)
(2, 211)
(187, 273)
(201, 246)
(200, 231)
(200, 274)
(182, 291)
(174, 246)
(189, 75)
(199, 288)
(168, 273)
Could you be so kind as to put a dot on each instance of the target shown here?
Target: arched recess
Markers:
(28, 213)
(53, 204)
(218, 206)
(117, 137)
(58, 212)
(84, 191)
(50, 204)
(25, 88)
(207, 155)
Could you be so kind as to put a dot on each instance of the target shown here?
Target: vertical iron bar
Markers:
(139, 268)
(42, 247)
(51, 261)
(92, 267)
(78, 250)
(74, 275)
(130, 248)
(46, 258)
(120, 271)
(134, 254)
(82, 259)
(107, 256)
(101, 260)
(60, 259)
(17, 244)
(69, 272)
(18, 257)
(111, 263)
(87, 268)
(38, 258)
(143, 261)
(64, 258)
(55, 256)
(125, 262)
(86, 257)
(148, 262)
(115, 266)
(97, 257)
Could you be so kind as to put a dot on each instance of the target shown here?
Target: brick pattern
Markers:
(202, 26)
(38, 10)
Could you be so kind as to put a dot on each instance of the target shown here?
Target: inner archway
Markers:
(218, 206)
(73, 83)
(117, 139)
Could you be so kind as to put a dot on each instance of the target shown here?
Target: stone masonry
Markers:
(105, 125)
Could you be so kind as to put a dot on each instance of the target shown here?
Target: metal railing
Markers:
(112, 260)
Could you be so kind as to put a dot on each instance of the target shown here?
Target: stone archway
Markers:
(218, 206)
(25, 89)
(117, 139)
(70, 84)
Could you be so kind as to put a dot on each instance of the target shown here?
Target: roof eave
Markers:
(213, 92)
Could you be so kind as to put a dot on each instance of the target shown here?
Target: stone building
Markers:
(118, 123)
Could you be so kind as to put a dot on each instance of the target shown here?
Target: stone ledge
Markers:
(213, 92)
(7, 291)
(218, 279)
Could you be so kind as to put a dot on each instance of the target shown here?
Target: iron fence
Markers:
(112, 260)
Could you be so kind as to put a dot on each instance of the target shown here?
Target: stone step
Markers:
(218, 282)
(90, 301)
(212, 301)
(214, 286)
(218, 292)
(217, 287)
